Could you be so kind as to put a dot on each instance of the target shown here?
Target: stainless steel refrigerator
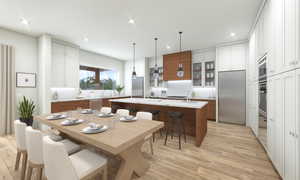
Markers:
(138, 87)
(232, 97)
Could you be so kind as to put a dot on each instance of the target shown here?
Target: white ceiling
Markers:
(204, 23)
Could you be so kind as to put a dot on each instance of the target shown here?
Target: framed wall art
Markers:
(26, 80)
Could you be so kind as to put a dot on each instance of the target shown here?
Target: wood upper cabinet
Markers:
(171, 63)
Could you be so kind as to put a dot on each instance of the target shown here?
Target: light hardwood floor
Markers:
(229, 152)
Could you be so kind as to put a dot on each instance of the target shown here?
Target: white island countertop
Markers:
(163, 102)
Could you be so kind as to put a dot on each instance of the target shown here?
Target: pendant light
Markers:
(133, 71)
(180, 71)
(156, 71)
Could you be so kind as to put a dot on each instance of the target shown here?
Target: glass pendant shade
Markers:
(180, 71)
(133, 75)
(156, 71)
(133, 71)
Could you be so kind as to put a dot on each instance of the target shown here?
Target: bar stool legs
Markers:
(175, 124)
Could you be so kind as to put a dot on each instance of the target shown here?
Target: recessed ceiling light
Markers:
(232, 34)
(24, 21)
(131, 21)
(86, 39)
(168, 47)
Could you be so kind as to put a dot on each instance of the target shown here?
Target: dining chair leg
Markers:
(17, 160)
(153, 137)
(40, 173)
(29, 172)
(151, 146)
(24, 164)
(104, 173)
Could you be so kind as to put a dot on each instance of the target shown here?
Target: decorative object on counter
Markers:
(55, 95)
(180, 71)
(26, 80)
(26, 109)
(119, 89)
(133, 71)
(156, 71)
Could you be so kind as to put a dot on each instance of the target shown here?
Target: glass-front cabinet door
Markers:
(210, 73)
(197, 74)
(204, 74)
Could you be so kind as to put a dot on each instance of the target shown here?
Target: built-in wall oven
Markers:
(262, 77)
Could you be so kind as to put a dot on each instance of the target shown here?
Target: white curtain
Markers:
(7, 89)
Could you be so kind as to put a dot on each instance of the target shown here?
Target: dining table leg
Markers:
(132, 162)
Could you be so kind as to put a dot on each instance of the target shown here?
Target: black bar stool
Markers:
(115, 107)
(155, 115)
(175, 124)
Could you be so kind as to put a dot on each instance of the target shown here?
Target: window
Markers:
(97, 79)
(108, 79)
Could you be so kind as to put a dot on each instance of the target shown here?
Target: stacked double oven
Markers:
(262, 72)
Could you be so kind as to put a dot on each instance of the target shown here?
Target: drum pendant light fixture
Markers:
(156, 71)
(180, 71)
(133, 71)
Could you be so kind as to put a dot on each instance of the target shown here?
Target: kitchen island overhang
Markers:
(195, 112)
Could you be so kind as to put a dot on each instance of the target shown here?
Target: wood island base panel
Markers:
(195, 119)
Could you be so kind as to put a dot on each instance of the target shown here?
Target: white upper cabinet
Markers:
(238, 57)
(71, 67)
(224, 58)
(232, 57)
(65, 66)
(291, 34)
(58, 65)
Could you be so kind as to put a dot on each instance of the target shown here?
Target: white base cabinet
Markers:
(283, 123)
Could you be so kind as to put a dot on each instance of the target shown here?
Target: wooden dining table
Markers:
(124, 139)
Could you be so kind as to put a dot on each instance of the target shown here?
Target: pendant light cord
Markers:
(133, 57)
(180, 41)
(155, 52)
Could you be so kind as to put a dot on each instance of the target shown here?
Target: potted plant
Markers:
(26, 109)
(119, 89)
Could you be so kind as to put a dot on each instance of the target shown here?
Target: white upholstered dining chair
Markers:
(81, 165)
(34, 144)
(123, 112)
(105, 110)
(146, 116)
(21, 146)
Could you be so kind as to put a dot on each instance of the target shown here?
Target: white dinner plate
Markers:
(123, 119)
(105, 115)
(56, 116)
(89, 130)
(87, 111)
(73, 122)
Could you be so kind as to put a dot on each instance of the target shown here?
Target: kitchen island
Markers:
(195, 112)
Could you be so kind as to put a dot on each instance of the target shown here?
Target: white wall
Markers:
(91, 59)
(26, 57)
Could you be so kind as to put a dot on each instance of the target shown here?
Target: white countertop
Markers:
(87, 98)
(192, 98)
(163, 102)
